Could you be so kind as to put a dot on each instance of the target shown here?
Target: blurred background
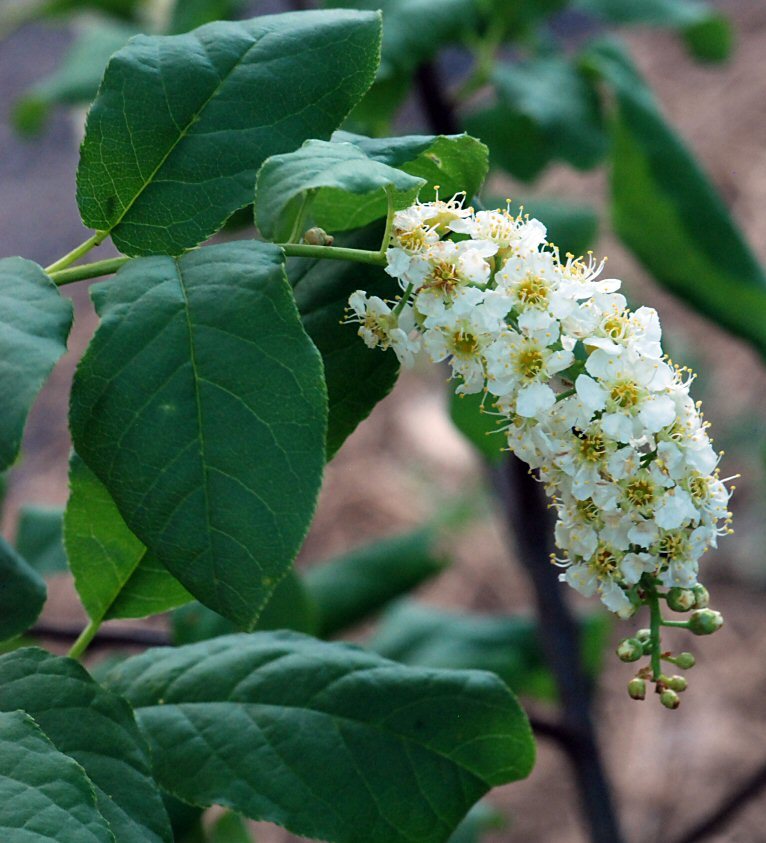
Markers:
(409, 465)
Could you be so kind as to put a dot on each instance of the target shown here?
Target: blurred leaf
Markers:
(339, 185)
(560, 102)
(573, 228)
(290, 607)
(357, 377)
(416, 634)
(351, 587)
(707, 33)
(128, 9)
(22, 593)
(454, 163)
(479, 424)
(481, 818)
(415, 30)
(189, 14)
(39, 538)
(375, 113)
(75, 81)
(230, 828)
(669, 214)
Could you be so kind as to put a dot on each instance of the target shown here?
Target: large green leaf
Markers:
(75, 80)
(325, 739)
(474, 416)
(357, 377)
(97, 729)
(669, 214)
(38, 538)
(45, 796)
(421, 635)
(336, 183)
(115, 575)
(351, 587)
(201, 406)
(182, 123)
(22, 593)
(453, 163)
(34, 325)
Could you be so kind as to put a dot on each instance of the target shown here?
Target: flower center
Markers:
(414, 240)
(443, 277)
(591, 448)
(640, 492)
(698, 488)
(604, 562)
(673, 546)
(529, 362)
(625, 394)
(533, 291)
(464, 344)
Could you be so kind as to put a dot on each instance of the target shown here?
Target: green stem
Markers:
(87, 270)
(405, 298)
(567, 394)
(308, 196)
(82, 249)
(389, 224)
(298, 250)
(655, 622)
(679, 624)
(86, 636)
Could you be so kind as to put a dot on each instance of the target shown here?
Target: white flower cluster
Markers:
(590, 400)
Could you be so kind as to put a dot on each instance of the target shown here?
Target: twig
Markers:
(728, 807)
(438, 108)
(140, 637)
(527, 514)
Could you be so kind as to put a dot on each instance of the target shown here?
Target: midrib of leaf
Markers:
(185, 130)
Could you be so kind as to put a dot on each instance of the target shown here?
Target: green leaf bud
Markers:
(670, 699)
(681, 599)
(701, 597)
(705, 622)
(677, 683)
(685, 661)
(318, 237)
(637, 688)
(629, 650)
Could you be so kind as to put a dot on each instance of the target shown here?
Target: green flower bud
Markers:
(701, 597)
(318, 237)
(637, 688)
(677, 683)
(705, 622)
(681, 600)
(670, 698)
(629, 650)
(685, 661)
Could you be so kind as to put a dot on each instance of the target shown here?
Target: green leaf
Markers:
(415, 30)
(182, 123)
(115, 575)
(22, 593)
(454, 163)
(669, 214)
(44, 795)
(325, 739)
(351, 587)
(75, 80)
(710, 40)
(507, 646)
(230, 828)
(38, 538)
(97, 729)
(474, 417)
(357, 377)
(336, 183)
(34, 325)
(290, 607)
(200, 405)
(561, 103)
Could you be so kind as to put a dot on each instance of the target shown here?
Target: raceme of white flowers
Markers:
(587, 395)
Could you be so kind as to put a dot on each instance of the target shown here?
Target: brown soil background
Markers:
(406, 463)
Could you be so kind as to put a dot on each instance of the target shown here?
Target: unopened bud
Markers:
(681, 600)
(637, 688)
(629, 650)
(670, 699)
(705, 622)
(645, 637)
(685, 661)
(318, 237)
(701, 597)
(677, 683)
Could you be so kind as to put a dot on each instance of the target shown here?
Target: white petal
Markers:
(534, 399)
(590, 393)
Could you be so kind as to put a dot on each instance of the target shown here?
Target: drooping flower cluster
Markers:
(589, 399)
